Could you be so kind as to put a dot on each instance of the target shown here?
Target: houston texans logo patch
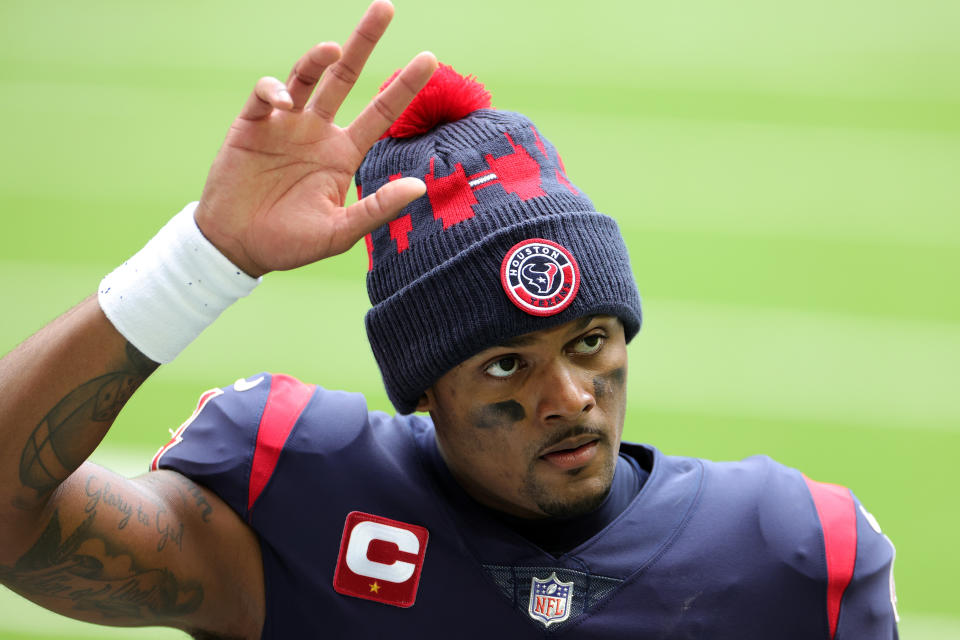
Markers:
(540, 277)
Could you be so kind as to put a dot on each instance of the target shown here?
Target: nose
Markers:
(565, 394)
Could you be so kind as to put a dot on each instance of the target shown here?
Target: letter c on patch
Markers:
(364, 534)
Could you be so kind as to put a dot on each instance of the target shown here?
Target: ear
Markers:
(425, 403)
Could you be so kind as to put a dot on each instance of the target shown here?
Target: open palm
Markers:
(275, 195)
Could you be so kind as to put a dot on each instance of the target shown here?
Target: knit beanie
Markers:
(502, 243)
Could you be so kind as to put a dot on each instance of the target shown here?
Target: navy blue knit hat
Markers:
(502, 244)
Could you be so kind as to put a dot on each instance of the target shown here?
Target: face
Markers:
(532, 427)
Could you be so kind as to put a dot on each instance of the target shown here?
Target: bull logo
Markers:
(540, 276)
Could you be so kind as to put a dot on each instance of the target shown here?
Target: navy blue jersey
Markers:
(362, 535)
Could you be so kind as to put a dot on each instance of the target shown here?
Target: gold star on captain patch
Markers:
(374, 588)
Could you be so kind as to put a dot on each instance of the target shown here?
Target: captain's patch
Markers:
(380, 559)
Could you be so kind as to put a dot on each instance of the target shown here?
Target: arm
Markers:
(90, 544)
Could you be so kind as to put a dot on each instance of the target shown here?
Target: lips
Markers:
(568, 444)
(572, 453)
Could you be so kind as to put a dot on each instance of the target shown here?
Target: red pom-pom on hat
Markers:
(447, 97)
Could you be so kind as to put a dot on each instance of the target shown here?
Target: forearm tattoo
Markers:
(62, 440)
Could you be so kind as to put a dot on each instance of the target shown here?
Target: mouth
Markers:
(572, 453)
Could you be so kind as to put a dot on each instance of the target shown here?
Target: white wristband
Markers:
(166, 294)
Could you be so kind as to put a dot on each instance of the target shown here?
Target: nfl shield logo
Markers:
(550, 600)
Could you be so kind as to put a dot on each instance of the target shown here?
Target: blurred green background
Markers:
(786, 176)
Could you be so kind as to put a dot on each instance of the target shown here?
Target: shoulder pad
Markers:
(233, 439)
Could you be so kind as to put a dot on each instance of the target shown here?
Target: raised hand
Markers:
(274, 198)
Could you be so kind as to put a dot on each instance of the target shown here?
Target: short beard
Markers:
(572, 508)
(556, 507)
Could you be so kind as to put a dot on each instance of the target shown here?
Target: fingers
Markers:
(384, 205)
(339, 78)
(308, 70)
(268, 94)
(377, 116)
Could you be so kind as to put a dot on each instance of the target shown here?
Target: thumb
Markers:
(382, 206)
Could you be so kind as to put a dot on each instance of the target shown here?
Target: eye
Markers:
(588, 345)
(504, 367)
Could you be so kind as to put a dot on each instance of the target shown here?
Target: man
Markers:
(502, 305)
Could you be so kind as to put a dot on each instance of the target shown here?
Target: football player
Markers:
(502, 303)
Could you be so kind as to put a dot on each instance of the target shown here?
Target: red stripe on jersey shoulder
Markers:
(287, 400)
(838, 519)
(177, 436)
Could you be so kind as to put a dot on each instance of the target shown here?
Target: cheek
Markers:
(608, 383)
(499, 415)
(490, 452)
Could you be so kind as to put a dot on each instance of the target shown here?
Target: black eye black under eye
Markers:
(507, 364)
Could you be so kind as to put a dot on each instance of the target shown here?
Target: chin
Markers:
(572, 507)
(576, 499)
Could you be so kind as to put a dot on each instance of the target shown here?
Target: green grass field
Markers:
(787, 176)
